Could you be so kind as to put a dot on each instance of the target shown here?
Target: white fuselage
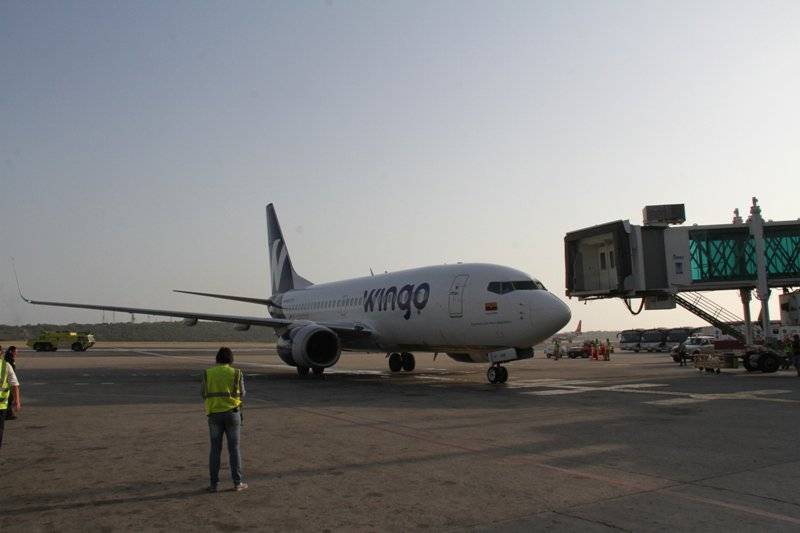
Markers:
(464, 308)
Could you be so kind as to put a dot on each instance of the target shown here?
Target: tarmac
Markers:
(116, 439)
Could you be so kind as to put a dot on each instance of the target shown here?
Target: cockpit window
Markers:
(503, 287)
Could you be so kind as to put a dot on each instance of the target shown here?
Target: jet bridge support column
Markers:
(756, 223)
(748, 322)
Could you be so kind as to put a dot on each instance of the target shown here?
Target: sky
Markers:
(140, 141)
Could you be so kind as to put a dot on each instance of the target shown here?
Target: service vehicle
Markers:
(50, 341)
(630, 340)
(675, 336)
(654, 340)
(584, 350)
(699, 344)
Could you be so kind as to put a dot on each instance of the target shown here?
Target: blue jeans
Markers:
(229, 424)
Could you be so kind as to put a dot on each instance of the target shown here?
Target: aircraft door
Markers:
(456, 303)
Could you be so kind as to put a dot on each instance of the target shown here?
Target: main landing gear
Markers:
(401, 361)
(497, 374)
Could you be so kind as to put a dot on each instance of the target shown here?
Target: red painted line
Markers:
(736, 507)
(628, 485)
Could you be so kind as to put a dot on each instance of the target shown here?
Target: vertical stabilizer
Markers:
(284, 278)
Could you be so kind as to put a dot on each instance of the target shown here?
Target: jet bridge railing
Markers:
(709, 306)
(711, 312)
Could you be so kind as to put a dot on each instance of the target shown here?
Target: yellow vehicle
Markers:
(50, 341)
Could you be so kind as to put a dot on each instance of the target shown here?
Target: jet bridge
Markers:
(655, 262)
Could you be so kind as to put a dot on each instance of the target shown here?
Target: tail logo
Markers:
(277, 256)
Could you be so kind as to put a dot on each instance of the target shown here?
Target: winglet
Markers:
(19, 288)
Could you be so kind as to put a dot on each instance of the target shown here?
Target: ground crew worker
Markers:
(223, 389)
(556, 350)
(10, 357)
(787, 351)
(682, 353)
(796, 352)
(8, 382)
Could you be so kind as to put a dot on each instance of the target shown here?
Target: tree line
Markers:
(146, 331)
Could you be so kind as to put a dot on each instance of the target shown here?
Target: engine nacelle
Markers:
(310, 346)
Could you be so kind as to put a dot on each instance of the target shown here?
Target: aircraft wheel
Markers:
(503, 374)
(302, 371)
(407, 361)
(395, 362)
(769, 363)
(318, 370)
(493, 375)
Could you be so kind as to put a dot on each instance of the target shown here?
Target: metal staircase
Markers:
(711, 312)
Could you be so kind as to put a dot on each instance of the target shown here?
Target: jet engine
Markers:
(309, 346)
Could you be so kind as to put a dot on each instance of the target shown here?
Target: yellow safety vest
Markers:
(5, 390)
(222, 388)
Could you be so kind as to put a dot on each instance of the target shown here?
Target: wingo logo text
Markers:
(402, 299)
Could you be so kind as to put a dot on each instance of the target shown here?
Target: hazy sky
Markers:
(140, 141)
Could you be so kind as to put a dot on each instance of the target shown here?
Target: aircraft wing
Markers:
(342, 329)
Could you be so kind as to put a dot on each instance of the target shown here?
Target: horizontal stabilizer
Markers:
(259, 301)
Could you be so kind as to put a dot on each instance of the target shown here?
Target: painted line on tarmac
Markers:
(734, 506)
(635, 486)
(758, 395)
(408, 432)
(557, 388)
(258, 365)
(201, 359)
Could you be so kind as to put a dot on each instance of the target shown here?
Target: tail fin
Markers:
(284, 278)
(578, 329)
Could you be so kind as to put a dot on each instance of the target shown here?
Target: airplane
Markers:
(569, 336)
(475, 313)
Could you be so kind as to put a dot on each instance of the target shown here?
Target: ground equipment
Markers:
(50, 341)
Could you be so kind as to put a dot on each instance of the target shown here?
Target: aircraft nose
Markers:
(550, 314)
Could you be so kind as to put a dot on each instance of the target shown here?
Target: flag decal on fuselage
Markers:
(491, 306)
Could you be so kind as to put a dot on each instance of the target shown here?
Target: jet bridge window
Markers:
(503, 287)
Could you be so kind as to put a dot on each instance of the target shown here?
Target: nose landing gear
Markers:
(497, 374)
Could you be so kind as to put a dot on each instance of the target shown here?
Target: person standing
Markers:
(10, 357)
(223, 389)
(796, 352)
(8, 383)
